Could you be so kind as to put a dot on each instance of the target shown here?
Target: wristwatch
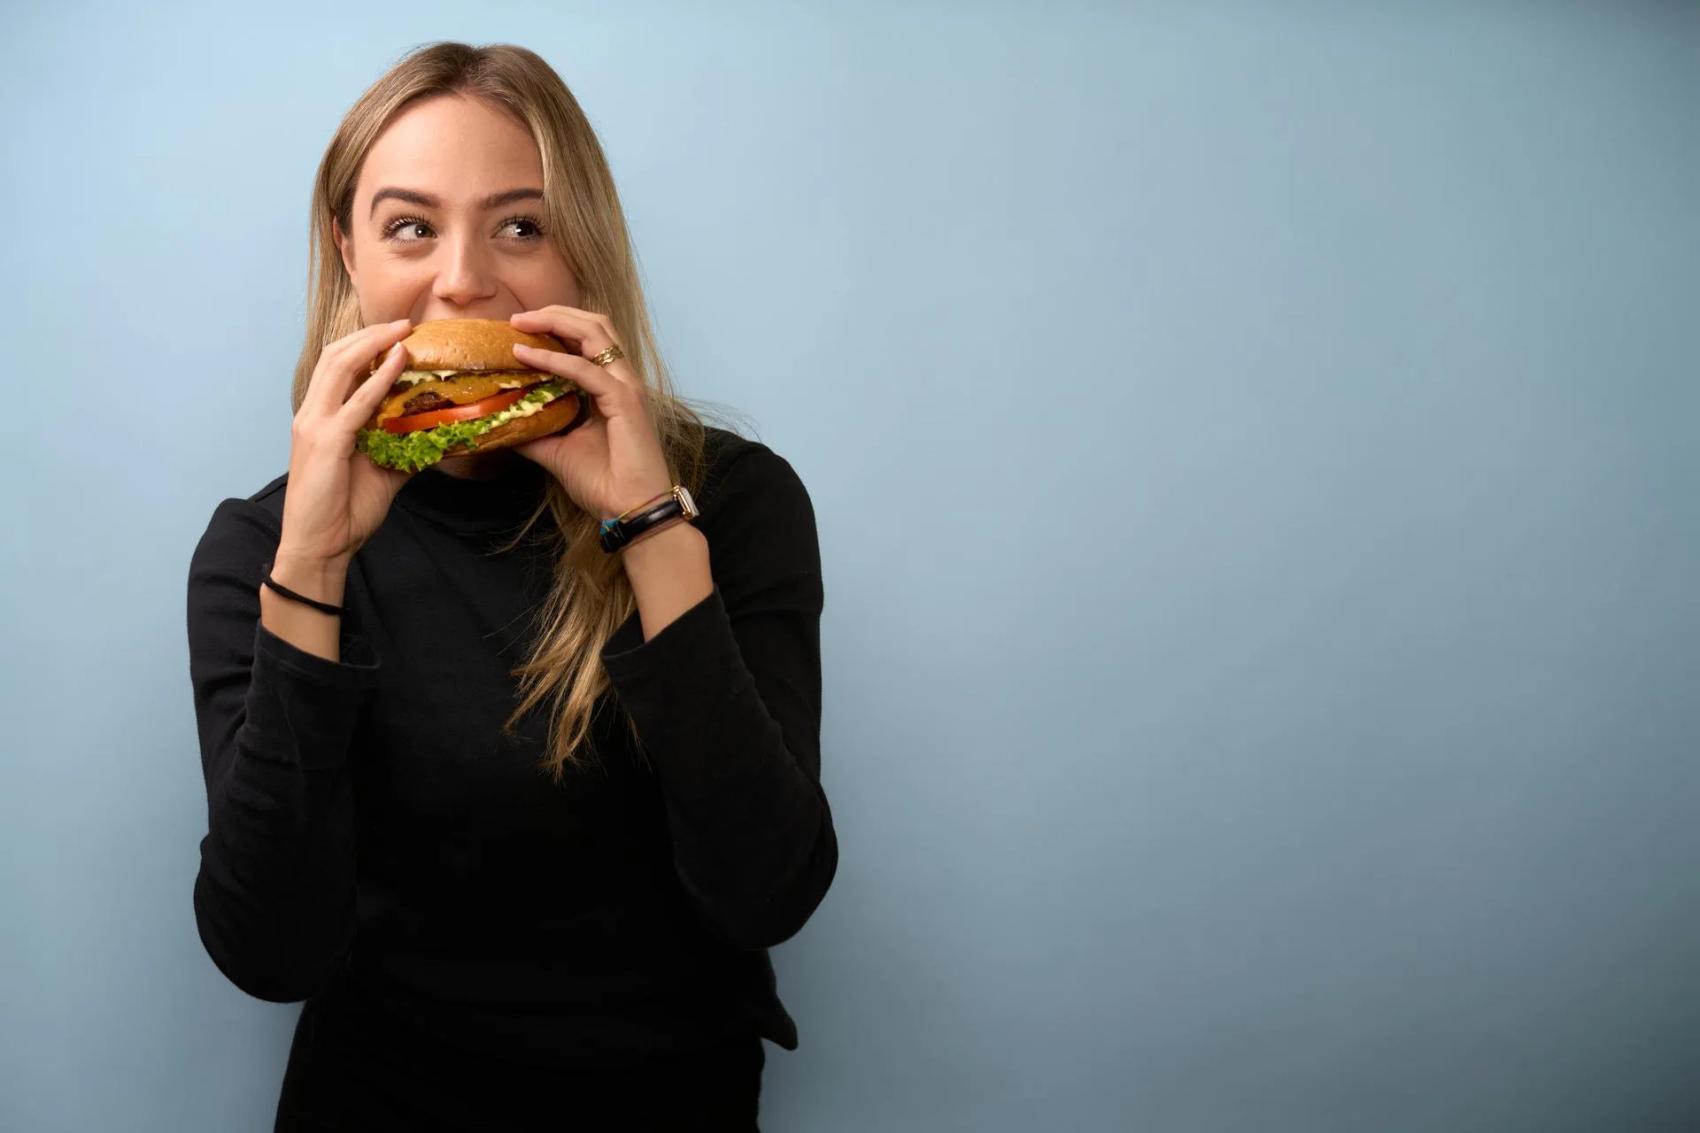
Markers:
(675, 504)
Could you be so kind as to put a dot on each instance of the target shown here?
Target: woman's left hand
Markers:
(614, 460)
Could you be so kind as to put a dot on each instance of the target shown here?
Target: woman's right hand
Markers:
(337, 497)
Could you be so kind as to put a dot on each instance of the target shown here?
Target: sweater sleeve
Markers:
(727, 701)
(274, 897)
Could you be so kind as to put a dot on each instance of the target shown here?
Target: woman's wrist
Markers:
(647, 518)
(651, 532)
(308, 629)
(669, 572)
(316, 577)
(641, 504)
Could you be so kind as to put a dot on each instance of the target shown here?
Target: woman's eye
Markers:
(526, 222)
(530, 229)
(393, 229)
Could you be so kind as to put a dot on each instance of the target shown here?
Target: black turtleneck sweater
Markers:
(378, 848)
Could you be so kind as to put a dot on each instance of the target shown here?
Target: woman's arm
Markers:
(274, 897)
(301, 625)
(727, 699)
(670, 571)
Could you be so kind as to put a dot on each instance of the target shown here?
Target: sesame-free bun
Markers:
(469, 344)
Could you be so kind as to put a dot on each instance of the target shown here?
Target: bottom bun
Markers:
(564, 413)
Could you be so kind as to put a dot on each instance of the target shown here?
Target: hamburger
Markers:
(464, 391)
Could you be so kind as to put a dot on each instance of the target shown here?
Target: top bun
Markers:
(471, 344)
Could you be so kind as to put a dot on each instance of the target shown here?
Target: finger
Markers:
(586, 408)
(391, 478)
(609, 390)
(593, 332)
(363, 402)
(345, 357)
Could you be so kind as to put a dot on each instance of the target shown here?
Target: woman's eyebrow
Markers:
(426, 200)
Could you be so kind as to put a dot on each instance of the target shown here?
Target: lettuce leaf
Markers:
(422, 448)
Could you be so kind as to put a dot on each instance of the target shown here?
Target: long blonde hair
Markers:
(590, 596)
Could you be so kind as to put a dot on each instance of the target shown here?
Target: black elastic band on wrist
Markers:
(288, 593)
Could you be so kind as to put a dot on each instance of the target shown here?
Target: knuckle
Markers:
(309, 424)
(312, 447)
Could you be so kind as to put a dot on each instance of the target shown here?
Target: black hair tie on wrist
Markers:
(288, 593)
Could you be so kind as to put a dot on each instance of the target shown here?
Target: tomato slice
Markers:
(415, 421)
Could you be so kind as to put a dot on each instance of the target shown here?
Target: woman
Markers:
(516, 817)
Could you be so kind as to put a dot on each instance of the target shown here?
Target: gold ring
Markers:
(608, 355)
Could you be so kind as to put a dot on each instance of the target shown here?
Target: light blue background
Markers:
(1254, 453)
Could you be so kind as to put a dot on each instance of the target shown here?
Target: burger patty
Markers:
(425, 403)
(461, 389)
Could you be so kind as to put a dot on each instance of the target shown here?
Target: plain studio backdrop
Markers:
(1253, 447)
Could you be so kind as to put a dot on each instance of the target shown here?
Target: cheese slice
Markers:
(464, 387)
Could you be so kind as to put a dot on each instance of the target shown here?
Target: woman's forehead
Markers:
(455, 149)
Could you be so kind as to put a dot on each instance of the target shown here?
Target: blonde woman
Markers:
(516, 816)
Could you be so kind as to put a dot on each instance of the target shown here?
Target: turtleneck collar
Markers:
(475, 505)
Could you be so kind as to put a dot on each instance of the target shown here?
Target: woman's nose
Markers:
(466, 272)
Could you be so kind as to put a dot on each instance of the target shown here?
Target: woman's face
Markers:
(458, 231)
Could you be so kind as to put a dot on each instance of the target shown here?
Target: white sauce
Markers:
(524, 407)
(409, 377)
